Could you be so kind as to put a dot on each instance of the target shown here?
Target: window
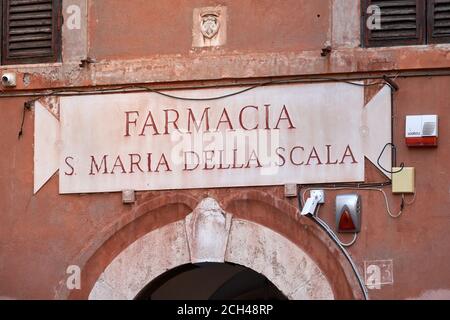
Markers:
(31, 31)
(438, 21)
(405, 22)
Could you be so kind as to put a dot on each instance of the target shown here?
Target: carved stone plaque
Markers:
(209, 26)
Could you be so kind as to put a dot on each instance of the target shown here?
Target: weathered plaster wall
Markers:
(152, 43)
(40, 235)
(165, 27)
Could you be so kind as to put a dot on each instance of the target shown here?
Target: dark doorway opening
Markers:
(211, 281)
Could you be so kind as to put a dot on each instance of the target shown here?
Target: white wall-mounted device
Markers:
(348, 213)
(316, 197)
(421, 131)
(9, 79)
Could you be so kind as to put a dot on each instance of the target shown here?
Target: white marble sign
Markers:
(299, 133)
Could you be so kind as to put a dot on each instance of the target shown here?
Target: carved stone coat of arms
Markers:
(210, 24)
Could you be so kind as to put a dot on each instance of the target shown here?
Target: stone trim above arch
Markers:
(209, 234)
(207, 231)
(263, 206)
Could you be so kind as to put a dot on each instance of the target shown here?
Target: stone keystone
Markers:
(207, 229)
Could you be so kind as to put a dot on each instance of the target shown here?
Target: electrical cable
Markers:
(202, 99)
(388, 210)
(26, 106)
(136, 88)
(330, 232)
(332, 235)
(357, 185)
(348, 244)
(272, 82)
(355, 235)
(65, 92)
(410, 202)
(394, 148)
(304, 79)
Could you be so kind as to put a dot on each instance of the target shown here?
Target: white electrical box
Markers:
(421, 130)
(403, 180)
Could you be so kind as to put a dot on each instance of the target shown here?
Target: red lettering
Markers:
(118, 163)
(313, 155)
(287, 117)
(227, 120)
(292, 158)
(234, 160)
(348, 153)
(135, 163)
(128, 121)
(163, 162)
(328, 155)
(197, 162)
(191, 118)
(253, 157)
(149, 122)
(208, 158)
(98, 168)
(149, 162)
(241, 122)
(174, 122)
(72, 170)
(221, 160)
(281, 156)
(267, 116)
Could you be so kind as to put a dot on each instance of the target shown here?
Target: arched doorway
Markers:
(259, 230)
(211, 281)
(209, 234)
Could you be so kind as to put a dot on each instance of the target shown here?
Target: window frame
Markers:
(421, 22)
(430, 26)
(57, 22)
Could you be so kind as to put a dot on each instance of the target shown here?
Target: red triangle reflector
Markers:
(346, 222)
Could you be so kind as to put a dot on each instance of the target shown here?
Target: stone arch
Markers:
(149, 213)
(257, 211)
(209, 234)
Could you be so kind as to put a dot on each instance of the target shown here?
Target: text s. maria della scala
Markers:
(135, 124)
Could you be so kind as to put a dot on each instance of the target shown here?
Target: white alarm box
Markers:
(421, 131)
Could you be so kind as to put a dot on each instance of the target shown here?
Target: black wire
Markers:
(355, 185)
(346, 254)
(402, 165)
(201, 99)
(394, 86)
(344, 251)
(61, 92)
(251, 88)
(355, 83)
(26, 106)
(112, 90)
